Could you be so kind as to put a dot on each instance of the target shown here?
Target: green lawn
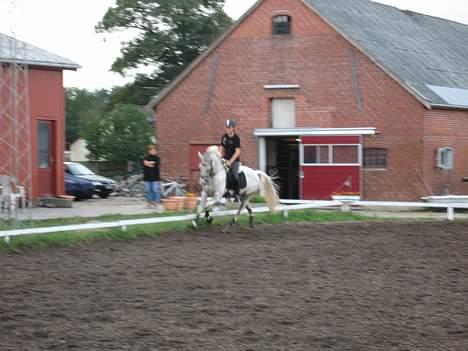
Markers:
(132, 232)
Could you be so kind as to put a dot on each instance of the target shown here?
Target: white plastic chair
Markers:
(10, 193)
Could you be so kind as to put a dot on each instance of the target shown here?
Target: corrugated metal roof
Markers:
(420, 51)
(15, 50)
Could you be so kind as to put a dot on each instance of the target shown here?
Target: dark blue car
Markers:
(78, 187)
(103, 186)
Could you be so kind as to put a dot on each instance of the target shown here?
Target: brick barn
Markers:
(35, 88)
(333, 95)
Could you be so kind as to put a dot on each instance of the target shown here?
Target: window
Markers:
(281, 24)
(445, 158)
(331, 154)
(345, 154)
(375, 158)
(43, 139)
(316, 154)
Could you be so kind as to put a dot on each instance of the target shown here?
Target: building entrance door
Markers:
(45, 157)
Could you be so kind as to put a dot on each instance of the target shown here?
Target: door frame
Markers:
(52, 123)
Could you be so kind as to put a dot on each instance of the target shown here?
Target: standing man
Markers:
(230, 150)
(151, 179)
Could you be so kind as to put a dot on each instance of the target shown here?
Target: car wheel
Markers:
(104, 195)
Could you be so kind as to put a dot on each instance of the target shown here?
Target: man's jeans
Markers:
(153, 191)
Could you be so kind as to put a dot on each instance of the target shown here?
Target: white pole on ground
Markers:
(450, 213)
(345, 206)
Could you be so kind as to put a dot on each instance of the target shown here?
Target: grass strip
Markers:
(64, 239)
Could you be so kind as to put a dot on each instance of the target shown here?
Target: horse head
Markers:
(210, 164)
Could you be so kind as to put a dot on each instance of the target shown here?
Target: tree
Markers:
(120, 135)
(82, 106)
(170, 35)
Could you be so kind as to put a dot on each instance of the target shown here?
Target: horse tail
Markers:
(269, 190)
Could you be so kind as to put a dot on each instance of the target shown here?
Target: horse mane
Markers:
(213, 149)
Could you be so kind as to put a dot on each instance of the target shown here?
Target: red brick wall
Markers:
(446, 128)
(317, 58)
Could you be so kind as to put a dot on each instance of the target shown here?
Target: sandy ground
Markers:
(359, 286)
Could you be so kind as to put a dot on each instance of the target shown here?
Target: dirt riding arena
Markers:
(360, 286)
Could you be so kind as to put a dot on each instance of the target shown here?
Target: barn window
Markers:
(445, 158)
(375, 158)
(281, 25)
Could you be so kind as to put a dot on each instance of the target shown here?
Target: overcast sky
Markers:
(66, 28)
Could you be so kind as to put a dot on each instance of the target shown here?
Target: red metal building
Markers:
(39, 79)
(333, 95)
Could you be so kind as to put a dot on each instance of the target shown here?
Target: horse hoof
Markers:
(194, 224)
(209, 220)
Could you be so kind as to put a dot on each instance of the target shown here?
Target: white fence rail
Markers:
(291, 205)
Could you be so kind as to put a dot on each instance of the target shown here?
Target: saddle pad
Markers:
(242, 181)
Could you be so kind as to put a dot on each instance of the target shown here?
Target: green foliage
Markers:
(120, 135)
(82, 107)
(169, 35)
(137, 93)
(257, 199)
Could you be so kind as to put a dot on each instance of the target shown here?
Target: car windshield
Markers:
(78, 169)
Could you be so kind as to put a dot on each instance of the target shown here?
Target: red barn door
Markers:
(330, 164)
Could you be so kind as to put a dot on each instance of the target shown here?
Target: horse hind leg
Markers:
(234, 219)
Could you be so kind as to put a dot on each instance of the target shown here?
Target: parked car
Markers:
(78, 187)
(103, 186)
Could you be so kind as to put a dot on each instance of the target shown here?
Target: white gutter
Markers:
(265, 132)
(281, 86)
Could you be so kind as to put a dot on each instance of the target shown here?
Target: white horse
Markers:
(213, 181)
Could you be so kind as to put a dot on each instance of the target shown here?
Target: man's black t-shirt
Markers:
(230, 144)
(151, 174)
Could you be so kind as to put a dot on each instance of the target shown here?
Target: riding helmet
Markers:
(230, 123)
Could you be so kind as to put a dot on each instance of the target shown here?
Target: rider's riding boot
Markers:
(236, 190)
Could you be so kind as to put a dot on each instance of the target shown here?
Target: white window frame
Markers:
(446, 166)
(330, 156)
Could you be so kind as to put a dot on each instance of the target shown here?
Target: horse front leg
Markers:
(200, 208)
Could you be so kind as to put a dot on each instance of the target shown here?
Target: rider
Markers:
(230, 150)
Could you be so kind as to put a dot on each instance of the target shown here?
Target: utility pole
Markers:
(15, 130)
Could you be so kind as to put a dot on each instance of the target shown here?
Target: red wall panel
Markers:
(320, 182)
